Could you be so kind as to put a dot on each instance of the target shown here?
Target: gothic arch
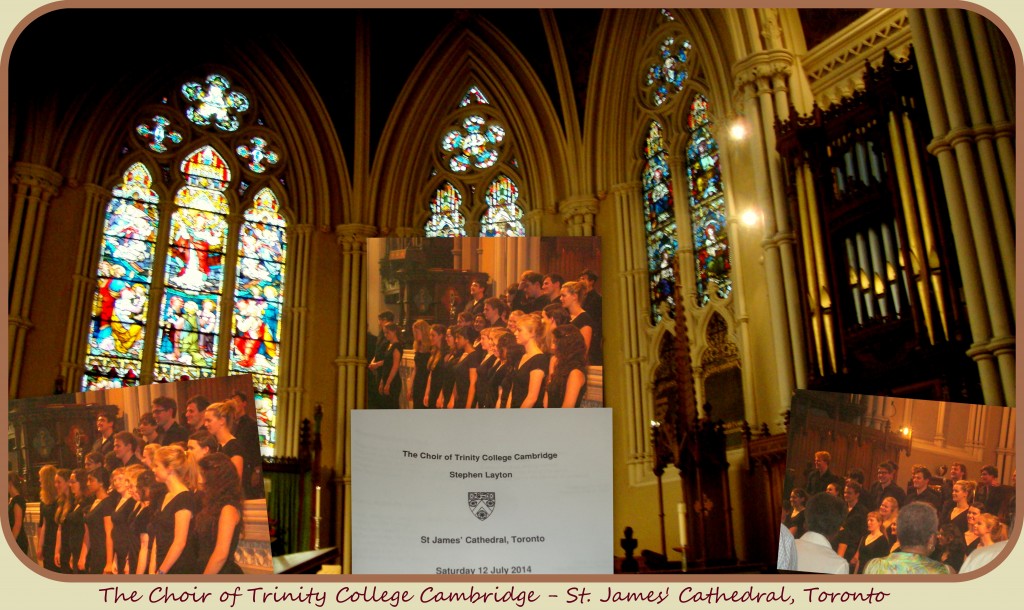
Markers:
(467, 58)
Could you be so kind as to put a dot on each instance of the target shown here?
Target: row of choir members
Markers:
(172, 508)
(533, 361)
(868, 533)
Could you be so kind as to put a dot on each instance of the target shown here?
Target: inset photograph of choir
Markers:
(155, 479)
(484, 323)
(877, 485)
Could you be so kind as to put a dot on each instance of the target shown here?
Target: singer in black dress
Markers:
(174, 546)
(435, 367)
(567, 383)
(420, 359)
(100, 555)
(219, 521)
(532, 369)
(120, 518)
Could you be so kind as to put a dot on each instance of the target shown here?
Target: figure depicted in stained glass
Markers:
(195, 260)
(660, 223)
(503, 216)
(446, 220)
(707, 207)
(208, 320)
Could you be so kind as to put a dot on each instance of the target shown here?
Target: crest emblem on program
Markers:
(481, 504)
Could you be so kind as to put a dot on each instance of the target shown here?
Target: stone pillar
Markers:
(351, 369)
(83, 287)
(294, 320)
(958, 143)
(747, 83)
(33, 188)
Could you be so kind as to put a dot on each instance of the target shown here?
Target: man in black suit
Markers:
(919, 489)
(990, 493)
(169, 431)
(248, 435)
(475, 306)
(593, 302)
(552, 287)
(819, 478)
(884, 487)
(104, 443)
(855, 525)
(124, 448)
(530, 283)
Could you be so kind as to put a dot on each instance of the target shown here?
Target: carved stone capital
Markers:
(578, 206)
(352, 237)
(36, 176)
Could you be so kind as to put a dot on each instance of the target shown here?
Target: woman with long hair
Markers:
(172, 550)
(121, 519)
(465, 369)
(572, 300)
(531, 371)
(72, 530)
(219, 521)
(435, 369)
(98, 545)
(148, 493)
(873, 544)
(567, 382)
(16, 510)
(509, 353)
(795, 521)
(448, 378)
(971, 538)
(390, 384)
(889, 511)
(485, 369)
(62, 483)
(949, 546)
(989, 529)
(421, 347)
(553, 315)
(219, 418)
(138, 519)
(46, 532)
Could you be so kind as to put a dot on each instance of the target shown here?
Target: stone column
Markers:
(83, 287)
(747, 83)
(293, 325)
(983, 269)
(33, 188)
(351, 369)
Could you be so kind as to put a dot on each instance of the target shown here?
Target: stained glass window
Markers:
(172, 315)
(262, 246)
(124, 278)
(660, 223)
(446, 220)
(215, 103)
(503, 216)
(707, 207)
(476, 142)
(194, 271)
(668, 73)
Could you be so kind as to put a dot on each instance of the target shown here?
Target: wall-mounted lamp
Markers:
(750, 217)
(738, 129)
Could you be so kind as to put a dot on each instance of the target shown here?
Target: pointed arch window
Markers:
(659, 223)
(707, 207)
(503, 217)
(446, 220)
(471, 149)
(164, 285)
(123, 282)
